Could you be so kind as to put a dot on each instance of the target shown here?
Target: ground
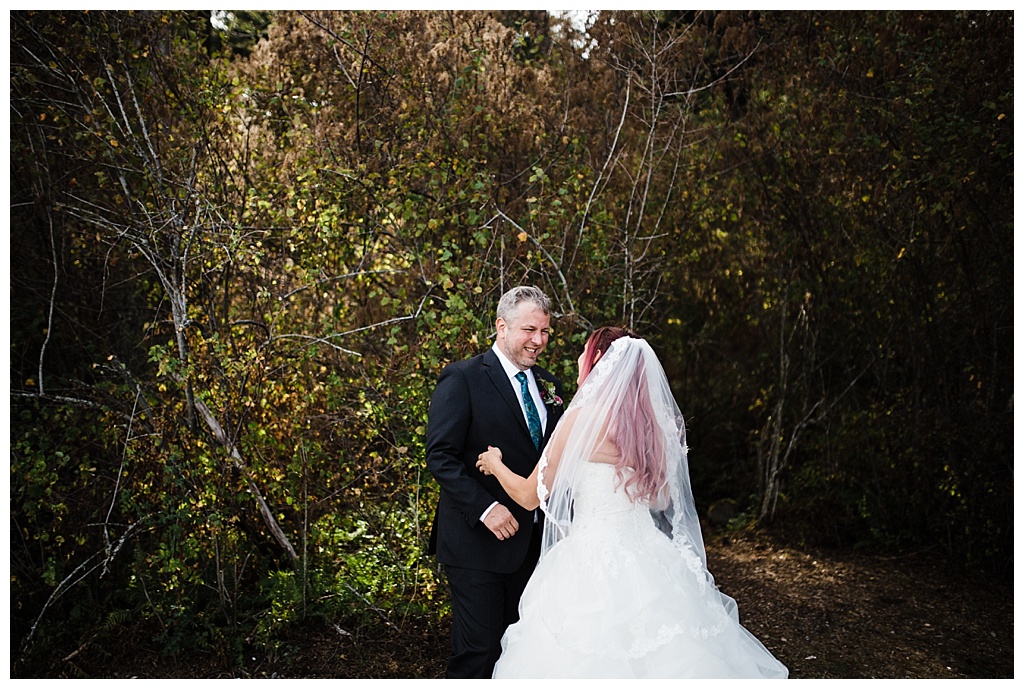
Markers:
(824, 613)
(843, 614)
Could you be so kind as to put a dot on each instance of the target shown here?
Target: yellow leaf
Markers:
(522, 236)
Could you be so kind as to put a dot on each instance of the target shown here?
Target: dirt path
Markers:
(843, 615)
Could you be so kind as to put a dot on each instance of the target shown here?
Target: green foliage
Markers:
(239, 275)
(849, 174)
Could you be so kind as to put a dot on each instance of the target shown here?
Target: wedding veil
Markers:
(626, 386)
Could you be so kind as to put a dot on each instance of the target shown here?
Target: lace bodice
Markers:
(603, 510)
(598, 497)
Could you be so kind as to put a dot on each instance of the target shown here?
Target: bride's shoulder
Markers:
(582, 413)
(591, 413)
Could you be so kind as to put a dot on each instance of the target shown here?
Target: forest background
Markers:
(242, 251)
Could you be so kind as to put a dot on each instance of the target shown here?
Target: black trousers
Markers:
(484, 604)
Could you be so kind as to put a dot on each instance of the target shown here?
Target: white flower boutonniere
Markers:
(547, 393)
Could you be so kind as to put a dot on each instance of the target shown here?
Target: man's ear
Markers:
(500, 326)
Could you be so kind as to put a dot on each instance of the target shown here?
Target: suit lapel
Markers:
(504, 387)
(554, 412)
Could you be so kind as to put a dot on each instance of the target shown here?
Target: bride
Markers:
(622, 588)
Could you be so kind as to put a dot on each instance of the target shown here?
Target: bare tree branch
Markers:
(236, 456)
(554, 263)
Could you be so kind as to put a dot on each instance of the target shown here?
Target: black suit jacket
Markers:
(474, 405)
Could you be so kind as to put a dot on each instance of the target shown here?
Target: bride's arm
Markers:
(522, 490)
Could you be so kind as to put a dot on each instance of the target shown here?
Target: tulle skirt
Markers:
(617, 600)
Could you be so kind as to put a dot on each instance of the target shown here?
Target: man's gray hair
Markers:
(511, 299)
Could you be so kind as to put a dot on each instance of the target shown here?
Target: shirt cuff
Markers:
(488, 511)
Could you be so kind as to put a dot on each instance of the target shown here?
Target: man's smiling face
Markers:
(523, 337)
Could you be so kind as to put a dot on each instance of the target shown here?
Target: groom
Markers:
(487, 543)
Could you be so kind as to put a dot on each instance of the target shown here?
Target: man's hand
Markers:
(501, 522)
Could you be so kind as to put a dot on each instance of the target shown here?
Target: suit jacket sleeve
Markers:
(448, 423)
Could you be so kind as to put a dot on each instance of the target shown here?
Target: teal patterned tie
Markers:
(532, 418)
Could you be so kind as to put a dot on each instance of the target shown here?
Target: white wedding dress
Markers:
(617, 598)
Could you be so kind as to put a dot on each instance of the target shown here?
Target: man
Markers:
(487, 543)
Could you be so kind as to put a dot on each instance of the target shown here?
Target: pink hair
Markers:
(599, 342)
(635, 431)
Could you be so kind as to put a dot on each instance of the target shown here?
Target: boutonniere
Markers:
(547, 393)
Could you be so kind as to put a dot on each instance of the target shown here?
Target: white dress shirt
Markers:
(511, 370)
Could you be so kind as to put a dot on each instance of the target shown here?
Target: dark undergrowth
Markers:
(824, 613)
